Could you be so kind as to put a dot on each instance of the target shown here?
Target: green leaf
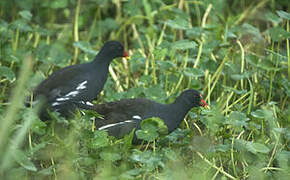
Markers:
(23, 160)
(283, 158)
(87, 161)
(160, 53)
(249, 29)
(257, 148)
(149, 159)
(3, 27)
(251, 146)
(39, 127)
(130, 174)
(258, 114)
(150, 134)
(184, 44)
(238, 120)
(128, 138)
(155, 92)
(166, 65)
(255, 33)
(157, 122)
(151, 128)
(231, 89)
(58, 55)
(170, 154)
(85, 46)
(46, 171)
(110, 156)
(7, 72)
(268, 65)
(22, 25)
(238, 77)
(223, 147)
(273, 18)
(178, 23)
(176, 135)
(193, 72)
(238, 116)
(195, 32)
(58, 4)
(39, 147)
(25, 15)
(100, 139)
(283, 14)
(278, 33)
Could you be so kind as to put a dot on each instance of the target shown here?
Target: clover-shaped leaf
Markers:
(151, 128)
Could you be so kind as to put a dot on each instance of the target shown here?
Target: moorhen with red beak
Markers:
(121, 117)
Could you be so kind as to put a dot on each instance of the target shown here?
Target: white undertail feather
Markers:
(89, 103)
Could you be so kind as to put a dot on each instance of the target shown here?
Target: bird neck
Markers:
(182, 105)
(99, 68)
(177, 112)
(103, 58)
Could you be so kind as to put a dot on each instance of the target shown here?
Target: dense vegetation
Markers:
(234, 51)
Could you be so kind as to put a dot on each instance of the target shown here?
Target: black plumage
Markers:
(120, 117)
(77, 83)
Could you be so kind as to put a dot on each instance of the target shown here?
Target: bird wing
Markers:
(127, 107)
(58, 89)
(59, 95)
(119, 117)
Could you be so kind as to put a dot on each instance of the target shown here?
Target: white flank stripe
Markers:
(115, 124)
(82, 85)
(55, 104)
(72, 93)
(88, 103)
(136, 117)
(62, 99)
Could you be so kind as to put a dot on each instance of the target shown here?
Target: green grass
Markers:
(235, 52)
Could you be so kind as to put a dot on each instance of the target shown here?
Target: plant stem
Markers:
(288, 51)
(242, 61)
(202, 35)
(76, 31)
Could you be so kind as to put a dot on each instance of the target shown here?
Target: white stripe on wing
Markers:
(72, 93)
(82, 85)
